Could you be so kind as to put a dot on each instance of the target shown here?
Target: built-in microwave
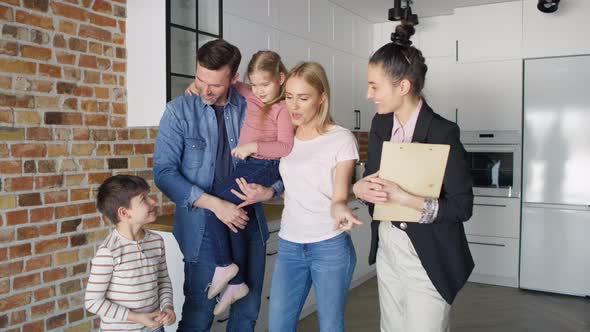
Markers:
(494, 159)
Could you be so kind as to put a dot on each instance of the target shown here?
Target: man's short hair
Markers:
(116, 192)
(218, 53)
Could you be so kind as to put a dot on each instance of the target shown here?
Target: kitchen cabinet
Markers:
(495, 216)
(318, 30)
(265, 12)
(434, 36)
(439, 86)
(489, 32)
(488, 95)
(350, 106)
(362, 37)
(361, 238)
(493, 233)
(365, 107)
(496, 260)
(381, 34)
(293, 17)
(320, 21)
(292, 49)
(249, 37)
(342, 99)
(342, 28)
(323, 55)
(564, 32)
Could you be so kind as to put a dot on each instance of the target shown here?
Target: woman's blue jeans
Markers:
(328, 266)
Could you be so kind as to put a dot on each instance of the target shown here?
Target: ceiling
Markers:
(376, 10)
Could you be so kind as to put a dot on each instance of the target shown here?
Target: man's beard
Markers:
(209, 101)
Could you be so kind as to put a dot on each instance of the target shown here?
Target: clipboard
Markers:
(418, 169)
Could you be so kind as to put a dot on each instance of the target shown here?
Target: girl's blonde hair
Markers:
(268, 62)
(314, 74)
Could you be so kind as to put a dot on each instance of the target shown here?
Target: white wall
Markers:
(146, 62)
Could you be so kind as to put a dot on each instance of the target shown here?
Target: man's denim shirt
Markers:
(184, 163)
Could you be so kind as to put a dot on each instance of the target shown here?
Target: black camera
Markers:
(548, 6)
(404, 14)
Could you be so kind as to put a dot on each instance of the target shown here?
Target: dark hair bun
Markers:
(402, 35)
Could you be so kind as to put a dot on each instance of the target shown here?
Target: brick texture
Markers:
(63, 131)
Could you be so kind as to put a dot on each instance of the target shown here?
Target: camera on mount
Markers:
(548, 6)
(402, 13)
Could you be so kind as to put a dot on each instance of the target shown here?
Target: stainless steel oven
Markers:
(494, 159)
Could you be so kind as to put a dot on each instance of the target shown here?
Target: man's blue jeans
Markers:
(231, 247)
(197, 311)
(328, 266)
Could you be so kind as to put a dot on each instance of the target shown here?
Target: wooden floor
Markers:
(478, 308)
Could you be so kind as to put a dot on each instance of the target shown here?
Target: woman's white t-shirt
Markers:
(308, 175)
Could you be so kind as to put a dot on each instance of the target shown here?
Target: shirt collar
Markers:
(126, 240)
(410, 125)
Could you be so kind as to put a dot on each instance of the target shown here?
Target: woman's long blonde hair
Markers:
(314, 74)
(268, 62)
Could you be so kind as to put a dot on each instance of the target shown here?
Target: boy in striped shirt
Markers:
(129, 287)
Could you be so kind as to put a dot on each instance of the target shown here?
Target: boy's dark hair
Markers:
(116, 192)
(217, 53)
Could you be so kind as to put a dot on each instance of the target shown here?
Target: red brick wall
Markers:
(362, 138)
(62, 131)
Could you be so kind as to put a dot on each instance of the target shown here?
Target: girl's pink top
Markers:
(273, 133)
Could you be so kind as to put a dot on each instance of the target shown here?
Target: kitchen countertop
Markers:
(273, 210)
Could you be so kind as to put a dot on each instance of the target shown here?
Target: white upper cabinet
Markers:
(316, 30)
(293, 17)
(261, 11)
(320, 21)
(249, 37)
(364, 106)
(438, 88)
(362, 37)
(434, 36)
(293, 49)
(342, 98)
(490, 32)
(323, 55)
(488, 95)
(381, 35)
(564, 32)
(343, 28)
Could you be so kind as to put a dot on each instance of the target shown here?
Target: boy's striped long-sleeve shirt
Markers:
(128, 275)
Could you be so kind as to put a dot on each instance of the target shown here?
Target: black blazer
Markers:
(441, 246)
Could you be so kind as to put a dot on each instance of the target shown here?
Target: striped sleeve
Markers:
(95, 299)
(164, 284)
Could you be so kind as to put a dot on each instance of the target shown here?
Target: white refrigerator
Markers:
(555, 237)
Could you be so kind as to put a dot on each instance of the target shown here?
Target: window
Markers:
(189, 24)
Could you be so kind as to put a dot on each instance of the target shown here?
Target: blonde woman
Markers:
(314, 248)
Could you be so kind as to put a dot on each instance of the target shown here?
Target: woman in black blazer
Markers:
(420, 266)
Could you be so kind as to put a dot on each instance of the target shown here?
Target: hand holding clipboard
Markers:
(417, 169)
